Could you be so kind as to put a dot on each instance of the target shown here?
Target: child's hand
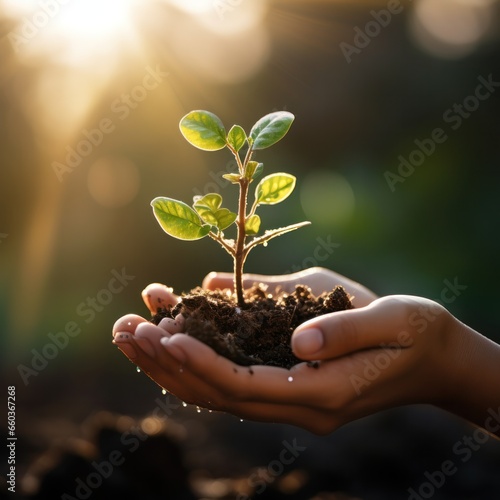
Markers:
(397, 350)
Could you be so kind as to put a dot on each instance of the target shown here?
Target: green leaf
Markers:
(236, 137)
(224, 218)
(274, 188)
(208, 208)
(203, 130)
(253, 169)
(270, 129)
(252, 225)
(178, 219)
(211, 200)
(234, 178)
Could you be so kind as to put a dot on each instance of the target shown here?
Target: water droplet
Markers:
(241, 420)
(209, 411)
(264, 244)
(163, 391)
(198, 409)
(137, 369)
(290, 379)
(184, 404)
(181, 369)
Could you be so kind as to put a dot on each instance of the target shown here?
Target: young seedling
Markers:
(207, 217)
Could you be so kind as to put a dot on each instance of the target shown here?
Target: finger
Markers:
(318, 279)
(221, 281)
(178, 380)
(384, 321)
(127, 323)
(157, 364)
(256, 383)
(123, 340)
(156, 296)
(214, 281)
(175, 325)
(188, 386)
(144, 335)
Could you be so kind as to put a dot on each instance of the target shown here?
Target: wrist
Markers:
(472, 372)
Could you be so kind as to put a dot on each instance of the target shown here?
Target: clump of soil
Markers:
(258, 333)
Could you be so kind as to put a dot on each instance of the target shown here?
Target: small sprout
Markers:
(253, 170)
(236, 138)
(208, 217)
(208, 208)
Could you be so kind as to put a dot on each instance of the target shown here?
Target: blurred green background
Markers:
(91, 94)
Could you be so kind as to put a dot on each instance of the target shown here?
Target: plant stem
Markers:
(240, 254)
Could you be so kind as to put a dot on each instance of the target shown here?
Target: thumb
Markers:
(336, 334)
(216, 280)
(157, 295)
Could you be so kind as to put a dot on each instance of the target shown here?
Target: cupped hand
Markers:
(387, 352)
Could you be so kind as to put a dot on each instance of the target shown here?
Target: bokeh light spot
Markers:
(113, 182)
(450, 28)
(151, 425)
(327, 198)
(222, 58)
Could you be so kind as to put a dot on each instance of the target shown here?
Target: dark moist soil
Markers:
(258, 333)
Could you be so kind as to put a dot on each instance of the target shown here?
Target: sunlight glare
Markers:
(212, 58)
(94, 18)
(193, 6)
(232, 20)
(81, 26)
(18, 7)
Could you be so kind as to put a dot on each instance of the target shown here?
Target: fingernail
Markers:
(146, 346)
(127, 349)
(173, 350)
(122, 337)
(307, 342)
